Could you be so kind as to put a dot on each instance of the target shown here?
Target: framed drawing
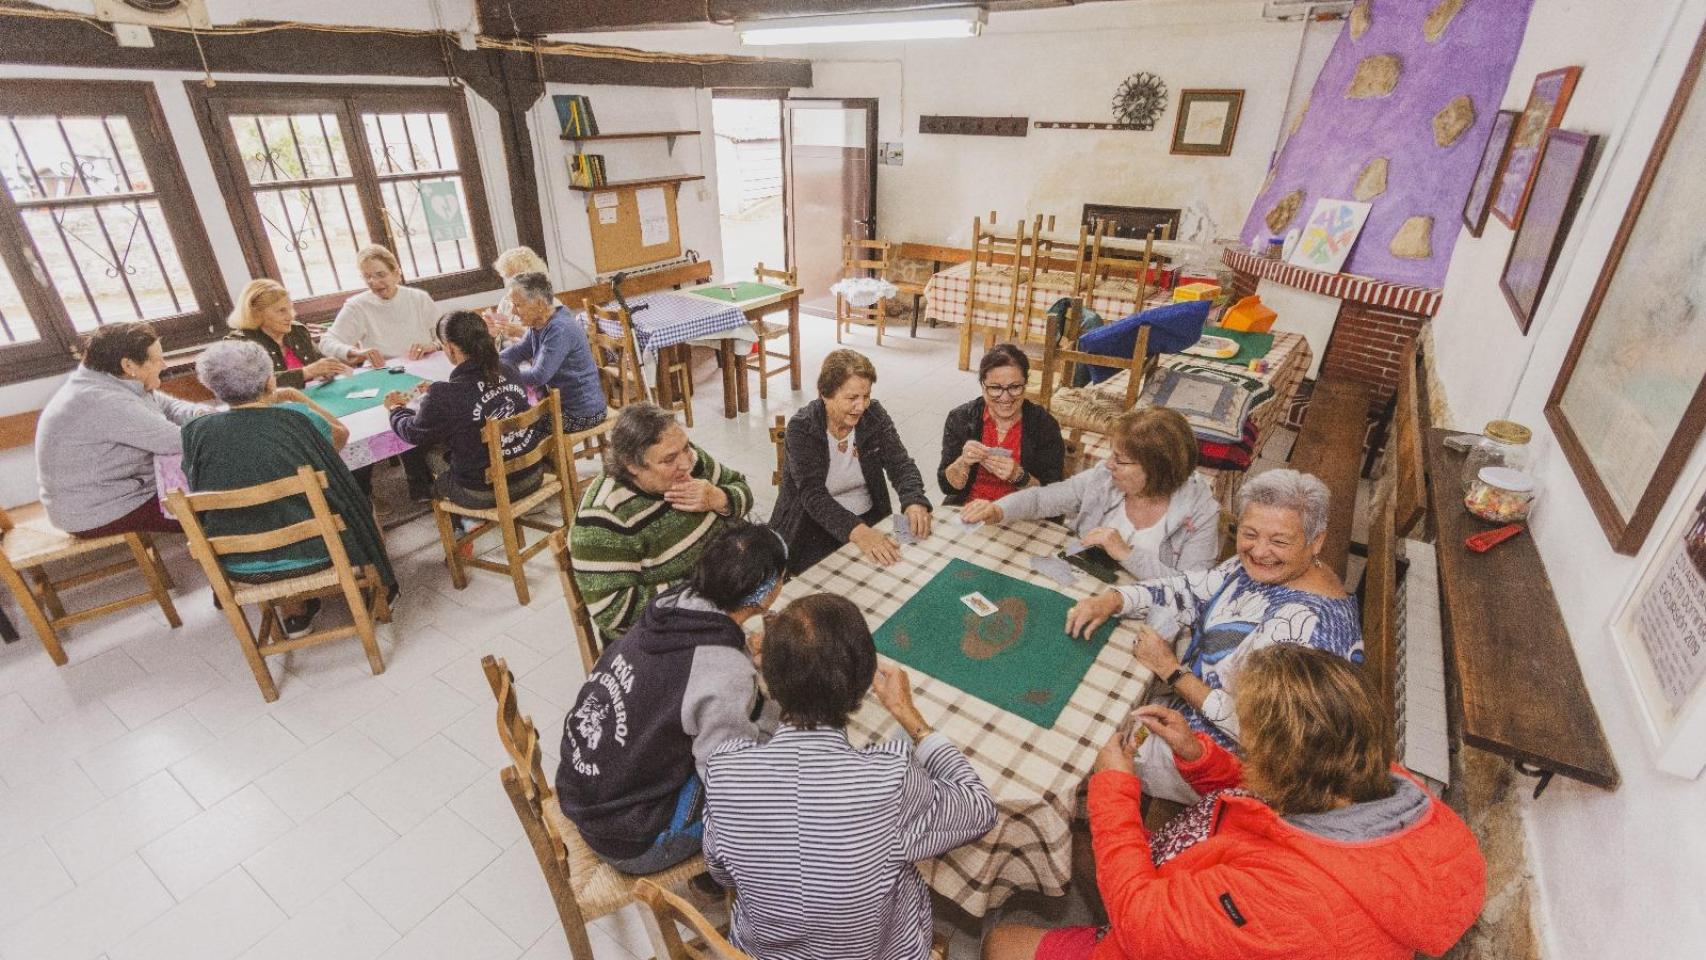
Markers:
(1330, 234)
(1207, 122)
(1546, 103)
(1630, 399)
(1660, 633)
(1487, 174)
(1566, 161)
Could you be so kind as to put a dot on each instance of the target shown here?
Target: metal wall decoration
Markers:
(1140, 100)
(975, 126)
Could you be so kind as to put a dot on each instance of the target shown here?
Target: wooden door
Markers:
(829, 157)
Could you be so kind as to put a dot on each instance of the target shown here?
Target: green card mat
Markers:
(1018, 658)
(334, 394)
(744, 290)
(1251, 346)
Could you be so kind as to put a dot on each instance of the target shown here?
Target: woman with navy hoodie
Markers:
(455, 411)
(662, 698)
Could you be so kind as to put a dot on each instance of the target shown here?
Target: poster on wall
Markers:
(1660, 631)
(1330, 234)
(1565, 166)
(1547, 101)
(1492, 160)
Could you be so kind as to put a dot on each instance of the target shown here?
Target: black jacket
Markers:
(455, 412)
(804, 497)
(300, 342)
(1041, 451)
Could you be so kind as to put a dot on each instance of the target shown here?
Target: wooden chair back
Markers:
(306, 482)
(1106, 262)
(1410, 420)
(615, 352)
(587, 639)
(666, 913)
(787, 278)
(779, 440)
(1380, 604)
(989, 251)
(545, 417)
(862, 258)
(1054, 250)
(1061, 357)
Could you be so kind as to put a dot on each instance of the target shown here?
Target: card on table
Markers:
(979, 604)
(903, 530)
(363, 394)
(1055, 569)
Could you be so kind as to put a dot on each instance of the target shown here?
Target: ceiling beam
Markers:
(532, 18)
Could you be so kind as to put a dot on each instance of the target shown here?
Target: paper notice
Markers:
(602, 200)
(606, 214)
(654, 216)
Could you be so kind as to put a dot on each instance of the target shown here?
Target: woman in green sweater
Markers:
(643, 522)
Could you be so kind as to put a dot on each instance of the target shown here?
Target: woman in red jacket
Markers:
(1316, 846)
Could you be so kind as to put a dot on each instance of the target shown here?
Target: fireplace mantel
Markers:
(1366, 291)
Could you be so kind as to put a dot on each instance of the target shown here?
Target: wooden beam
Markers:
(532, 18)
(513, 96)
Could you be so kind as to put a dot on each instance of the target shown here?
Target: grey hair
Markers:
(638, 428)
(533, 286)
(1303, 493)
(235, 370)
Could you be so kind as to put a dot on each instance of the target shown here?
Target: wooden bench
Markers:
(669, 278)
(1330, 447)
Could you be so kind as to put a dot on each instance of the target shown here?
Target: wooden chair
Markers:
(1106, 262)
(769, 330)
(585, 445)
(618, 360)
(666, 913)
(510, 514)
(583, 887)
(587, 638)
(362, 588)
(991, 250)
(1330, 446)
(779, 440)
(862, 258)
(30, 547)
(1061, 358)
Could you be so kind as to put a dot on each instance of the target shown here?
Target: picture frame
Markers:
(1548, 98)
(1629, 401)
(1207, 122)
(1479, 201)
(1560, 178)
(1660, 636)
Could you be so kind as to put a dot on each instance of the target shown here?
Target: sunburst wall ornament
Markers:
(1140, 100)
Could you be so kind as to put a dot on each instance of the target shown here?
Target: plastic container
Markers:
(1501, 495)
(1249, 315)
(1196, 291)
(1503, 443)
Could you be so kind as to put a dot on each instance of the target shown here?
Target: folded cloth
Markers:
(863, 292)
(1172, 328)
(1215, 398)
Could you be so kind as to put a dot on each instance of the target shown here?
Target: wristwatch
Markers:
(1174, 677)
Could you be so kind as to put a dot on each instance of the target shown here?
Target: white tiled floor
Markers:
(153, 805)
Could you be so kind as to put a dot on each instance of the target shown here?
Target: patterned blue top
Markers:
(1230, 617)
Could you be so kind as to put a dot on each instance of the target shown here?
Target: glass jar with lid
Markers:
(1503, 443)
(1501, 495)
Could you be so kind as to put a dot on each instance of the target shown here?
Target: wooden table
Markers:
(733, 360)
(1034, 774)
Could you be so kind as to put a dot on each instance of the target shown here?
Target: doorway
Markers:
(750, 209)
(829, 151)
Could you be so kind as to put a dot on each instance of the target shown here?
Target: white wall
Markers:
(1620, 874)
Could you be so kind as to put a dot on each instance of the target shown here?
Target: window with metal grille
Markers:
(97, 224)
(314, 172)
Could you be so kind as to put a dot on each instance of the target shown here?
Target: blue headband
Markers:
(757, 596)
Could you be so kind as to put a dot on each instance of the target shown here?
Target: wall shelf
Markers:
(668, 136)
(641, 182)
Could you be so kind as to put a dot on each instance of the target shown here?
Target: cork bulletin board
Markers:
(619, 238)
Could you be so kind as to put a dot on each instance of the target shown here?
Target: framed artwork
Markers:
(1207, 122)
(1487, 174)
(1546, 103)
(1565, 164)
(1660, 633)
(1630, 398)
(1329, 235)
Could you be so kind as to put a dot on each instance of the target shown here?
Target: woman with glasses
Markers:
(1145, 506)
(999, 442)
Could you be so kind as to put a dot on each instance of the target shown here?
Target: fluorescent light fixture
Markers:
(944, 24)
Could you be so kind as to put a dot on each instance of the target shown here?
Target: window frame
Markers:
(348, 101)
(137, 102)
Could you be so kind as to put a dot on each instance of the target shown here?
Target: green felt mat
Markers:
(1018, 658)
(1251, 346)
(334, 394)
(745, 290)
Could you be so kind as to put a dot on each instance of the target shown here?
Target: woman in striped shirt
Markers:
(819, 838)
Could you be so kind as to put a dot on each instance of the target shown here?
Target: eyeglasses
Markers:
(1010, 390)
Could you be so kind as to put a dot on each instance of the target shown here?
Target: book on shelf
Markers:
(586, 170)
(574, 114)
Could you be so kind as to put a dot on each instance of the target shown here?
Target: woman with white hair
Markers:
(501, 320)
(1274, 590)
(554, 354)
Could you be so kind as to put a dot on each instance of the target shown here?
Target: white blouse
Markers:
(846, 482)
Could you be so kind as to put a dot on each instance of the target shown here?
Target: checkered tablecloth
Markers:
(1034, 774)
(947, 293)
(671, 318)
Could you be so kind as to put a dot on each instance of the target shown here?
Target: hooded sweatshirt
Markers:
(658, 703)
(1383, 879)
(455, 411)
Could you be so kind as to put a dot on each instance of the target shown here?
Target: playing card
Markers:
(1074, 547)
(903, 530)
(978, 603)
(368, 394)
(967, 527)
(1055, 569)
(1000, 452)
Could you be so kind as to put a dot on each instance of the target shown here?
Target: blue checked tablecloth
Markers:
(673, 318)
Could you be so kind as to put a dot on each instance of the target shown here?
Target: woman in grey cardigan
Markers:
(1145, 506)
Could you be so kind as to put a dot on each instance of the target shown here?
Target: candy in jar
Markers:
(1500, 495)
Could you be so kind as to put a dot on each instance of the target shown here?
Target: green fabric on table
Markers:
(1251, 346)
(744, 290)
(1018, 658)
(334, 395)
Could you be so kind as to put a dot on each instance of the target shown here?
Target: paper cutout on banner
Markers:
(654, 216)
(442, 207)
(1330, 234)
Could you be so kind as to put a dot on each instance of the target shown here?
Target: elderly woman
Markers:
(1275, 590)
(268, 434)
(501, 320)
(632, 779)
(643, 523)
(999, 442)
(386, 320)
(265, 315)
(1316, 846)
(554, 353)
(839, 447)
(818, 836)
(1145, 507)
(97, 439)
